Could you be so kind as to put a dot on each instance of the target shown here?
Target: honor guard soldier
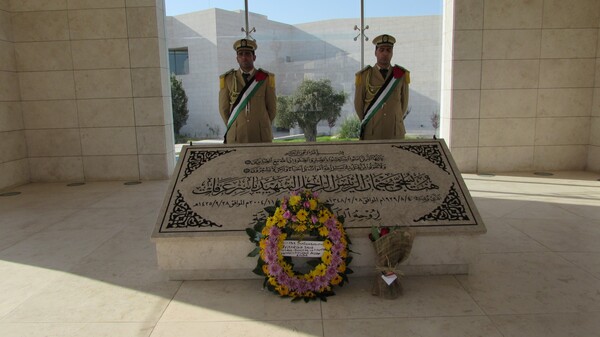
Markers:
(381, 96)
(247, 101)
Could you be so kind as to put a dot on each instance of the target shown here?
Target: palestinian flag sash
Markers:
(381, 97)
(244, 97)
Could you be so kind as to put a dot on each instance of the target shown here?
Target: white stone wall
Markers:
(593, 162)
(94, 86)
(13, 150)
(523, 79)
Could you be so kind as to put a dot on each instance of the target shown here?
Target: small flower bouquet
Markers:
(392, 247)
(302, 218)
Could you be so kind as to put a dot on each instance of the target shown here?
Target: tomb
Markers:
(217, 191)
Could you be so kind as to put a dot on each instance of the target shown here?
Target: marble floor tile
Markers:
(48, 200)
(492, 206)
(501, 237)
(99, 218)
(589, 262)
(16, 225)
(549, 325)
(21, 281)
(234, 300)
(76, 329)
(297, 328)
(540, 210)
(412, 327)
(590, 211)
(78, 299)
(130, 199)
(57, 249)
(423, 297)
(530, 283)
(560, 235)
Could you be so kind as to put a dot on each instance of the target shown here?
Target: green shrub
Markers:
(350, 128)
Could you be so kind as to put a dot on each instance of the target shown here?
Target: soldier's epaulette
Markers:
(222, 78)
(358, 76)
(363, 70)
(227, 73)
(264, 71)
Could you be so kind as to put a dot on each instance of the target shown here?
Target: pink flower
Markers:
(314, 219)
(275, 269)
(287, 214)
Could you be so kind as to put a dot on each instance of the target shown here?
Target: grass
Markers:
(319, 139)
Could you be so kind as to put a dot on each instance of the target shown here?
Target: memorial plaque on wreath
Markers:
(224, 188)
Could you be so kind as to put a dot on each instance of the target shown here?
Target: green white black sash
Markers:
(381, 97)
(244, 97)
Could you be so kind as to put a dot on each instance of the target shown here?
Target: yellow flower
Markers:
(313, 204)
(320, 268)
(294, 200)
(281, 222)
(324, 215)
(327, 244)
(302, 215)
(323, 231)
(272, 281)
(282, 290)
(278, 212)
(262, 244)
(265, 269)
(300, 228)
(336, 280)
(342, 268)
(270, 222)
(326, 257)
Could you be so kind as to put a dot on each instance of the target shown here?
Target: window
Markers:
(178, 61)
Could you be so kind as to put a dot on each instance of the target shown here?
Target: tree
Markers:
(311, 103)
(179, 103)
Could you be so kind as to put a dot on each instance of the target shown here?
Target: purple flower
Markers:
(331, 272)
(270, 257)
(275, 269)
(314, 219)
(338, 247)
(306, 204)
(287, 214)
(275, 231)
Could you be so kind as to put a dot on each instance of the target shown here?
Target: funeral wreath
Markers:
(301, 217)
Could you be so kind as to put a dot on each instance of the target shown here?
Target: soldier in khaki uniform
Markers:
(247, 101)
(381, 96)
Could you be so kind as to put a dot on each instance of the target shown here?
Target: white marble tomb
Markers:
(217, 191)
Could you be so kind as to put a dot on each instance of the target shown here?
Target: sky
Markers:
(301, 11)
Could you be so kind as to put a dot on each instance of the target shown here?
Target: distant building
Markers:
(200, 48)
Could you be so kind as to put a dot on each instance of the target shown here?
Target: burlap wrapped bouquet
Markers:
(392, 247)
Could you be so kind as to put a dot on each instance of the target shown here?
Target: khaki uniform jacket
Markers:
(388, 122)
(253, 124)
